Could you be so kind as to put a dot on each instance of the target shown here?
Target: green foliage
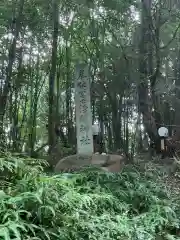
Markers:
(87, 205)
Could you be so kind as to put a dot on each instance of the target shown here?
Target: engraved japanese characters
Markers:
(83, 110)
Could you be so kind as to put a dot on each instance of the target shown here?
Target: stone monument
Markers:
(83, 110)
(85, 132)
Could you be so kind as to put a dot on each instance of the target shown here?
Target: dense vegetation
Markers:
(90, 204)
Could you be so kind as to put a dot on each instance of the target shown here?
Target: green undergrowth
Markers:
(91, 204)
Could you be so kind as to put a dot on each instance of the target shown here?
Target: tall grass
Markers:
(90, 204)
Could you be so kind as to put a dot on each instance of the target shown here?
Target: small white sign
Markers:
(163, 132)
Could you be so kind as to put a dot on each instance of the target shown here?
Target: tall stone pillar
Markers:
(83, 110)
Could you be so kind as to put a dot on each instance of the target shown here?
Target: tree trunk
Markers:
(52, 110)
(12, 54)
(145, 52)
(177, 101)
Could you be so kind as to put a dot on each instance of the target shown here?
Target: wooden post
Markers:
(162, 144)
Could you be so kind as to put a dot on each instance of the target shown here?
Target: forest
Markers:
(132, 49)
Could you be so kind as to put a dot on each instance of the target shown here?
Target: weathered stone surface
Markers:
(83, 110)
(114, 163)
(111, 163)
(72, 161)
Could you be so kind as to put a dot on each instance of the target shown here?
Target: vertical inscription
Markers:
(83, 110)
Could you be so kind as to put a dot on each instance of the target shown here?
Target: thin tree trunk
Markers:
(51, 116)
(12, 54)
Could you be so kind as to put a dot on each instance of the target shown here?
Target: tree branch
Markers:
(171, 40)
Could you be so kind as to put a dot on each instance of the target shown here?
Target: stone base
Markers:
(110, 163)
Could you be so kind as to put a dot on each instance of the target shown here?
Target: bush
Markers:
(90, 204)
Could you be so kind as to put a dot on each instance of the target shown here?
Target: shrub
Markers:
(90, 204)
